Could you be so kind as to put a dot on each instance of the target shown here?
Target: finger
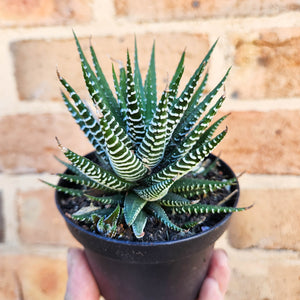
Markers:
(81, 283)
(210, 290)
(219, 269)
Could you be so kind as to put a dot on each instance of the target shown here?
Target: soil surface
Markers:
(156, 231)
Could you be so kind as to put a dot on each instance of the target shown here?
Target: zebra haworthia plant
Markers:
(144, 147)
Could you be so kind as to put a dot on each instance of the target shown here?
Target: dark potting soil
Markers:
(155, 230)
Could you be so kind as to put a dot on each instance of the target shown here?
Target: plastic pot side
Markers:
(127, 270)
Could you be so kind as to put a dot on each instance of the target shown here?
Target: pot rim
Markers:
(158, 243)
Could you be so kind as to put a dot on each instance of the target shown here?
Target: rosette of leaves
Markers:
(147, 147)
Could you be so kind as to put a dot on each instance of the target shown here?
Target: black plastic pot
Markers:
(150, 271)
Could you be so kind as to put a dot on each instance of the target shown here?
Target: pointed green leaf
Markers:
(152, 147)
(191, 139)
(150, 87)
(122, 159)
(102, 82)
(120, 94)
(191, 110)
(85, 181)
(69, 191)
(187, 162)
(85, 213)
(95, 172)
(133, 204)
(189, 225)
(113, 218)
(205, 209)
(160, 214)
(174, 84)
(181, 104)
(207, 135)
(134, 117)
(172, 199)
(106, 112)
(140, 93)
(110, 103)
(84, 118)
(113, 200)
(190, 187)
(190, 120)
(139, 224)
(155, 191)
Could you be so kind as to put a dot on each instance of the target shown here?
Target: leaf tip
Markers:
(62, 148)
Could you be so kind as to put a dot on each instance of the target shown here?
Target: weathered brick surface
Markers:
(2, 229)
(266, 65)
(36, 61)
(182, 9)
(32, 277)
(259, 276)
(273, 222)
(29, 143)
(39, 220)
(262, 142)
(44, 12)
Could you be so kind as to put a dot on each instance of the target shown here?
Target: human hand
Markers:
(216, 282)
(82, 285)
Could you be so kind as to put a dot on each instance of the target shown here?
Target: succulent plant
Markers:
(149, 151)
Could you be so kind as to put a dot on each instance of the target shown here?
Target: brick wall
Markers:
(260, 39)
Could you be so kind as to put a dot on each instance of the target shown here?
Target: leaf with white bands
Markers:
(85, 181)
(120, 95)
(140, 93)
(69, 191)
(207, 135)
(190, 120)
(172, 199)
(174, 84)
(150, 87)
(160, 214)
(152, 147)
(95, 172)
(102, 82)
(115, 126)
(134, 117)
(205, 209)
(191, 139)
(190, 87)
(181, 104)
(190, 187)
(84, 118)
(122, 159)
(155, 191)
(111, 104)
(188, 162)
(190, 110)
(113, 200)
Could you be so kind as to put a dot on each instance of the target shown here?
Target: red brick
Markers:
(182, 9)
(39, 220)
(36, 61)
(261, 276)
(32, 277)
(2, 224)
(273, 222)
(266, 65)
(262, 142)
(44, 12)
(29, 144)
